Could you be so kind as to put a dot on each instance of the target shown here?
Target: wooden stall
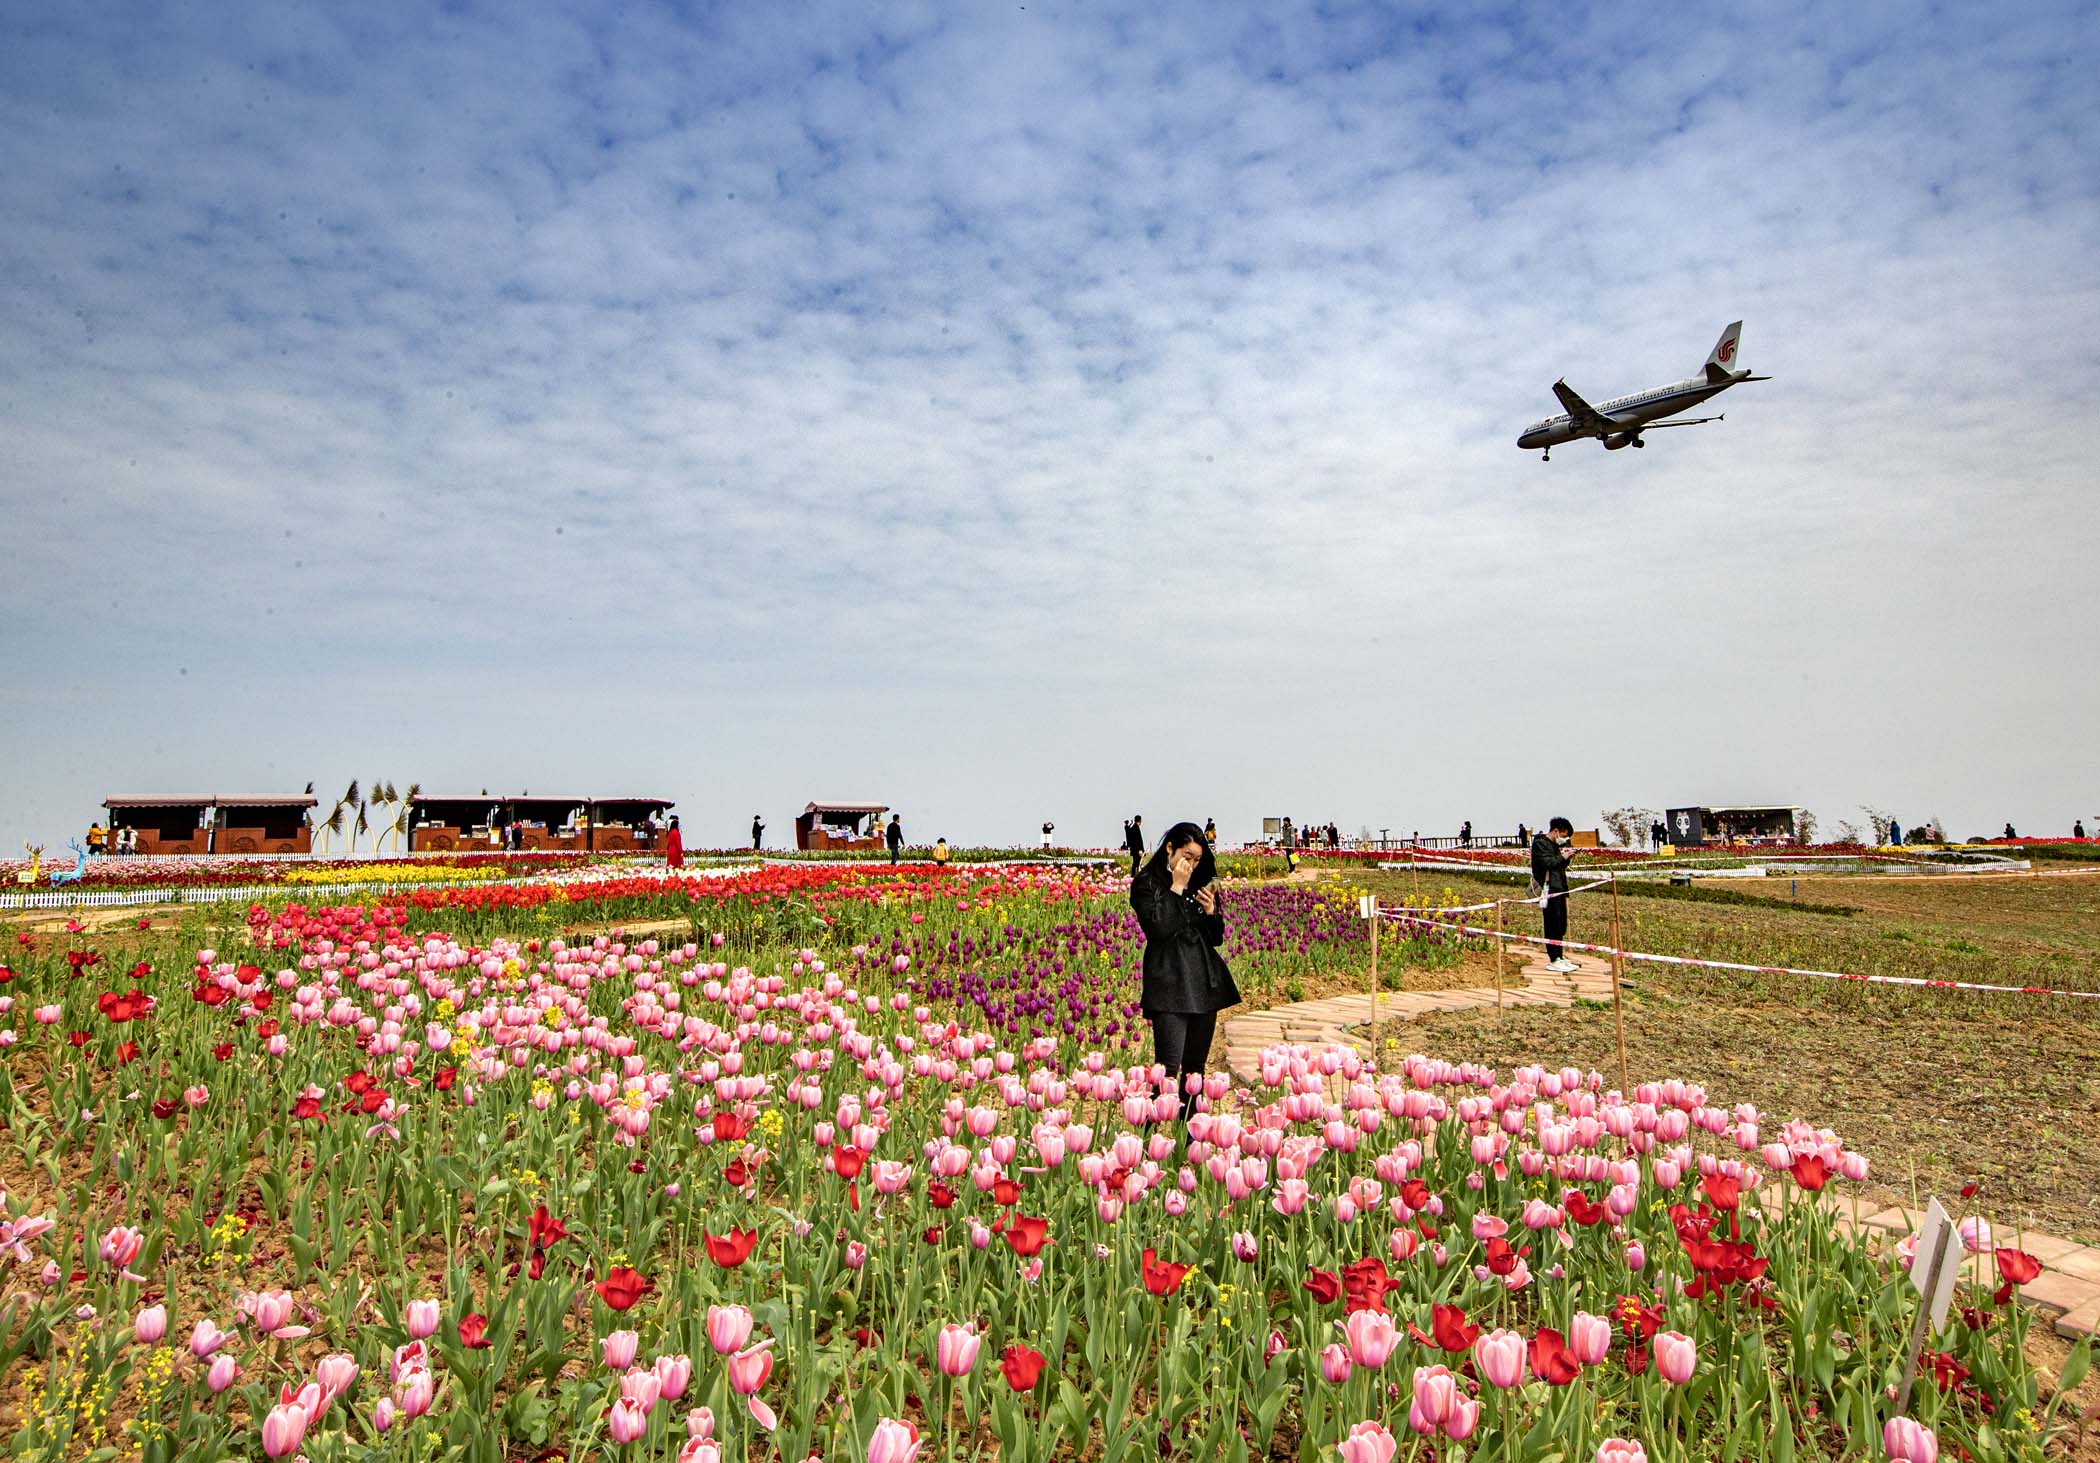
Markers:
(551, 823)
(165, 824)
(263, 824)
(623, 825)
(454, 823)
(840, 826)
(1737, 827)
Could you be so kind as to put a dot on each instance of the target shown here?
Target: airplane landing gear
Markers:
(1639, 443)
(1548, 456)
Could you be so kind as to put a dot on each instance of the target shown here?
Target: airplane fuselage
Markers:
(1626, 415)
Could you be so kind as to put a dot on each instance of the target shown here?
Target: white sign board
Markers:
(1937, 1230)
(1367, 906)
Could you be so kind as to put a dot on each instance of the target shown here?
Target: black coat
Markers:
(1134, 839)
(1549, 863)
(1183, 970)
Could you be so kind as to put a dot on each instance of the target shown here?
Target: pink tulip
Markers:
(1908, 1441)
(150, 1325)
(414, 1392)
(1676, 1355)
(748, 1370)
(674, 1373)
(894, 1442)
(1371, 1336)
(121, 1245)
(283, 1429)
(422, 1319)
(618, 1349)
(626, 1421)
(221, 1374)
(335, 1372)
(700, 1450)
(383, 1414)
(955, 1350)
(1636, 1256)
(1500, 1354)
(856, 1255)
(728, 1329)
(700, 1422)
(1368, 1443)
(1435, 1394)
(1465, 1416)
(1589, 1337)
(1621, 1450)
(642, 1386)
(1334, 1363)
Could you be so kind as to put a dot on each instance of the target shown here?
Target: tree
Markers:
(1629, 826)
(1879, 822)
(1804, 827)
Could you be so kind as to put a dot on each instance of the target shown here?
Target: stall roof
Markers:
(847, 808)
(545, 797)
(160, 800)
(1754, 808)
(267, 800)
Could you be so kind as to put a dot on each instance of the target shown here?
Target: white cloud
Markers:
(948, 411)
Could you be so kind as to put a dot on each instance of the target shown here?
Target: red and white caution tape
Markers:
(1686, 960)
(1403, 912)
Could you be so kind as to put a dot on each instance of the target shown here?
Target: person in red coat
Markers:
(674, 847)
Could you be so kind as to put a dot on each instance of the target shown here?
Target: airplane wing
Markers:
(1685, 422)
(1585, 416)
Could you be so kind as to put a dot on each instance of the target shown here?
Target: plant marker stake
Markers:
(1943, 1233)
(1367, 906)
(1618, 1010)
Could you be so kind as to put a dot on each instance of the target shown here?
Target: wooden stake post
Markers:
(1618, 1009)
(1498, 955)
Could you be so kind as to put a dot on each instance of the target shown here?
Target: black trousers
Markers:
(1181, 1042)
(1556, 924)
(1136, 854)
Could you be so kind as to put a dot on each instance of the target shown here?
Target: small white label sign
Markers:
(1937, 1229)
(1367, 907)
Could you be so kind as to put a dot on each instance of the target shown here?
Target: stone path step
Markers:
(2070, 1281)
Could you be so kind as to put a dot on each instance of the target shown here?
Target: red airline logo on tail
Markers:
(1727, 351)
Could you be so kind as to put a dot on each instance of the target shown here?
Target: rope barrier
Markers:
(1689, 961)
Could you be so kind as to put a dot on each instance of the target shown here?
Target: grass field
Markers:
(1940, 1088)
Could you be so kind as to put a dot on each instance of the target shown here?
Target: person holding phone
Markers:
(1186, 982)
(1549, 882)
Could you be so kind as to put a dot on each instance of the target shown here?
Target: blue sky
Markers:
(1018, 413)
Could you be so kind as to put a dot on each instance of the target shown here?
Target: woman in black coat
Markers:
(1186, 982)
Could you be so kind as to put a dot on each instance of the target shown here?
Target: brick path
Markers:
(2068, 1286)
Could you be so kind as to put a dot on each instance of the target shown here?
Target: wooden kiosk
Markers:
(621, 825)
(551, 824)
(165, 824)
(840, 826)
(263, 825)
(456, 823)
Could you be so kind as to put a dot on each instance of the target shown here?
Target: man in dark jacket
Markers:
(758, 834)
(896, 837)
(1549, 871)
(1134, 840)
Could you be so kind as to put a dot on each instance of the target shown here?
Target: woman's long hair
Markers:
(1155, 870)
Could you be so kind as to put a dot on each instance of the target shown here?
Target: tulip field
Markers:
(863, 1164)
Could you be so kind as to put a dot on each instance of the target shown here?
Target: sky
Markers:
(1054, 411)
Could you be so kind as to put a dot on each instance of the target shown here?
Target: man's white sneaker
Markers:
(1563, 965)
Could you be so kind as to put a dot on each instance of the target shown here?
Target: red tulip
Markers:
(1325, 1286)
(1451, 1329)
(543, 1229)
(732, 1249)
(1026, 1235)
(473, 1331)
(622, 1286)
(1722, 1190)
(1162, 1277)
(2016, 1268)
(1022, 1366)
(1810, 1171)
(1366, 1282)
(1551, 1359)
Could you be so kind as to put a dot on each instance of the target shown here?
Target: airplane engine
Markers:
(1615, 440)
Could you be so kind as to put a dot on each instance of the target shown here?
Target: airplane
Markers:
(1621, 421)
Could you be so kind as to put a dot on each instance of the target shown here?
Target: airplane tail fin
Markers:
(1720, 365)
